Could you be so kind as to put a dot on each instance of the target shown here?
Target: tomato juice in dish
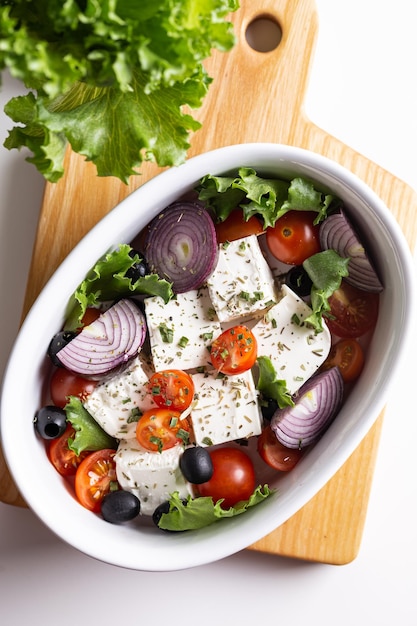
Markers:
(236, 360)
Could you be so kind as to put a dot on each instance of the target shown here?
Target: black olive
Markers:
(159, 512)
(299, 281)
(138, 270)
(59, 341)
(50, 422)
(120, 506)
(196, 465)
(268, 408)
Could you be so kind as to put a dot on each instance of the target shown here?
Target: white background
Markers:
(363, 91)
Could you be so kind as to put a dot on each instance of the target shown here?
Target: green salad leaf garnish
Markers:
(203, 511)
(107, 281)
(270, 386)
(267, 198)
(88, 434)
(326, 270)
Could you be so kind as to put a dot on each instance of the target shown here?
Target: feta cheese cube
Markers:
(225, 408)
(295, 350)
(181, 330)
(242, 283)
(151, 476)
(116, 402)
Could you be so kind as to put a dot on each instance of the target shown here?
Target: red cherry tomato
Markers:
(90, 316)
(234, 351)
(353, 311)
(160, 429)
(173, 389)
(233, 477)
(294, 237)
(275, 454)
(62, 458)
(235, 227)
(64, 383)
(94, 478)
(348, 356)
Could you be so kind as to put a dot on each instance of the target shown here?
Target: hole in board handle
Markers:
(263, 34)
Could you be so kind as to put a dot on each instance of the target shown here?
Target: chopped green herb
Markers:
(157, 441)
(167, 334)
(183, 342)
(184, 436)
(295, 319)
(211, 314)
(134, 416)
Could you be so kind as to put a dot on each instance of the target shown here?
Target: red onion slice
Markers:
(337, 233)
(112, 339)
(181, 245)
(316, 405)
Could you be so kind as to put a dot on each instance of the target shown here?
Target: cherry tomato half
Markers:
(172, 388)
(353, 311)
(275, 454)
(348, 356)
(62, 458)
(233, 477)
(294, 237)
(160, 429)
(234, 351)
(235, 227)
(64, 383)
(94, 478)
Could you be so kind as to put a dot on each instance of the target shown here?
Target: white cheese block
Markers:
(151, 476)
(225, 408)
(181, 330)
(117, 402)
(295, 350)
(242, 283)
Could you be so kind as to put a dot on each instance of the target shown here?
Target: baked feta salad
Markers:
(209, 354)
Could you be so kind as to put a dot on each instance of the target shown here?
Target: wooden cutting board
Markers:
(255, 96)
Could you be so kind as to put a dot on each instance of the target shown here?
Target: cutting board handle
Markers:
(261, 94)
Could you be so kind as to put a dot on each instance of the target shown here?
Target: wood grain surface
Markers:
(254, 97)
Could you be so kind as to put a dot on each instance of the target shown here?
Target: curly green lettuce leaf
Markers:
(88, 434)
(326, 270)
(107, 281)
(117, 132)
(199, 512)
(270, 386)
(110, 78)
(267, 198)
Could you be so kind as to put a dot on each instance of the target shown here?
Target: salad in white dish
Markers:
(210, 356)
